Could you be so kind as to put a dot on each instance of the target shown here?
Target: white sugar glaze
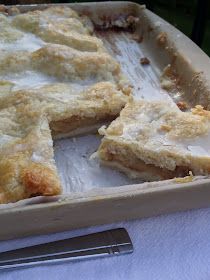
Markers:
(29, 42)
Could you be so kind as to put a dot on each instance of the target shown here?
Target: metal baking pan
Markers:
(96, 196)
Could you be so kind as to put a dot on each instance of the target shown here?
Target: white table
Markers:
(168, 247)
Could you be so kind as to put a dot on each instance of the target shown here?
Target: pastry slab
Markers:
(56, 80)
(27, 166)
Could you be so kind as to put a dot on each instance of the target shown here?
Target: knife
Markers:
(107, 243)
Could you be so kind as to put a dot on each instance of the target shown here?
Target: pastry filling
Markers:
(62, 127)
(148, 172)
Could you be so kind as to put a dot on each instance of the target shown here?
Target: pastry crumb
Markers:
(182, 105)
(166, 83)
(169, 79)
(186, 179)
(132, 19)
(138, 38)
(162, 38)
(199, 110)
(165, 127)
(144, 61)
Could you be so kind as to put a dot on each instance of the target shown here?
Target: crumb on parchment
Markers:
(138, 38)
(182, 105)
(161, 38)
(144, 61)
(186, 179)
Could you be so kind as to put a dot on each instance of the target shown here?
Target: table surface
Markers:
(175, 246)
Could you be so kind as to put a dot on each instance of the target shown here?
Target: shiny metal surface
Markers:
(106, 243)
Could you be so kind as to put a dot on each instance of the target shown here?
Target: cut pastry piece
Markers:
(158, 141)
(27, 167)
(86, 111)
(69, 109)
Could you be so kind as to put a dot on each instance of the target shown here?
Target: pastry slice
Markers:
(156, 141)
(87, 111)
(27, 167)
(70, 110)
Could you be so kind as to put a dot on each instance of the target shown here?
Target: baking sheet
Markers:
(77, 170)
(98, 204)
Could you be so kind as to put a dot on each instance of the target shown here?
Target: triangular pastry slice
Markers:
(155, 140)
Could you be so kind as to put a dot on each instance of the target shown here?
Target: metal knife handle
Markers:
(106, 243)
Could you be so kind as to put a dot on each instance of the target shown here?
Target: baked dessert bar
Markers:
(27, 167)
(155, 141)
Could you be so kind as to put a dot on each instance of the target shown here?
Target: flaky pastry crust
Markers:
(79, 85)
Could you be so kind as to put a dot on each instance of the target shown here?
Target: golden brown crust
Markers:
(26, 154)
(39, 180)
(198, 110)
